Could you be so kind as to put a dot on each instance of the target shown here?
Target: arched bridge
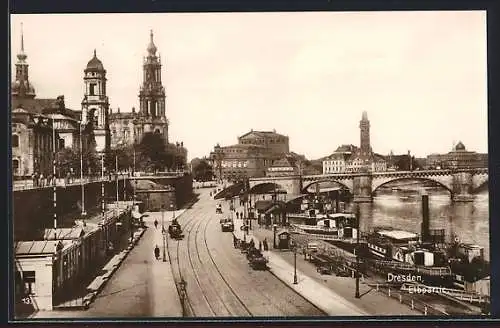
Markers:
(462, 184)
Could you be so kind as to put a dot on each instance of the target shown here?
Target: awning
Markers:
(272, 209)
(262, 205)
(292, 198)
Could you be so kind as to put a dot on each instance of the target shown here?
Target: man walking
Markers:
(157, 252)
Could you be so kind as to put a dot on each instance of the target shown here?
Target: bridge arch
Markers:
(265, 188)
(345, 184)
(377, 184)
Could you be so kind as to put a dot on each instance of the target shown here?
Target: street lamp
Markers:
(82, 185)
(102, 186)
(294, 247)
(116, 171)
(163, 234)
(357, 252)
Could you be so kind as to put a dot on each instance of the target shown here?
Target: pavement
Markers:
(314, 287)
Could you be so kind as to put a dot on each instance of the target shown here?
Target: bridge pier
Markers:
(362, 189)
(462, 187)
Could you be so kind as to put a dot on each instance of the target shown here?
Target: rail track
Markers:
(216, 288)
(217, 295)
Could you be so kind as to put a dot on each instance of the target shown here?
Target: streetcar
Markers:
(175, 230)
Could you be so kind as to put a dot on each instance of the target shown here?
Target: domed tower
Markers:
(152, 95)
(21, 87)
(95, 103)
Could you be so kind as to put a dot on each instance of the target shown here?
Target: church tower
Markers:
(152, 96)
(95, 104)
(21, 87)
(364, 126)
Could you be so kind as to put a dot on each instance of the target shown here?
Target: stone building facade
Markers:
(254, 153)
(459, 157)
(39, 126)
(349, 158)
(128, 128)
(95, 103)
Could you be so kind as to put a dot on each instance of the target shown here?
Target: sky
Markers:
(420, 76)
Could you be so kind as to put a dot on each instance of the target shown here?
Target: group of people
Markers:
(39, 180)
(263, 245)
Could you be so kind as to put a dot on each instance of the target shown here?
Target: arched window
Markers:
(157, 131)
(15, 140)
(15, 166)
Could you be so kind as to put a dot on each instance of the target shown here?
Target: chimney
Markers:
(425, 217)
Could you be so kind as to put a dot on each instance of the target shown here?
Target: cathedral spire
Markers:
(22, 38)
(22, 55)
(151, 46)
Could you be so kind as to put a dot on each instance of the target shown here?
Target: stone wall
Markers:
(32, 209)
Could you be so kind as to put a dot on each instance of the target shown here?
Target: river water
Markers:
(469, 221)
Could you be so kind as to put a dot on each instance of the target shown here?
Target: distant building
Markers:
(349, 158)
(339, 160)
(255, 152)
(458, 158)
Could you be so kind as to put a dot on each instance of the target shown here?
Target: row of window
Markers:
(234, 164)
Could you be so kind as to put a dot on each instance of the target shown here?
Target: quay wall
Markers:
(32, 209)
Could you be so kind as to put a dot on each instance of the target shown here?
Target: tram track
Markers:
(217, 282)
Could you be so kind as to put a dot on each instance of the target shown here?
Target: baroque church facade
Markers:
(127, 128)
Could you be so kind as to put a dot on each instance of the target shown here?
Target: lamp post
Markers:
(295, 281)
(82, 185)
(163, 233)
(54, 187)
(102, 186)
(116, 171)
(357, 252)
(275, 227)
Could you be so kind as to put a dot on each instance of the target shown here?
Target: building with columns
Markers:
(95, 103)
(254, 153)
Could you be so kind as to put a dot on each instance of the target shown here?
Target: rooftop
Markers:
(37, 247)
(398, 234)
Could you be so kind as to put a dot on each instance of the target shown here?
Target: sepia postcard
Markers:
(246, 165)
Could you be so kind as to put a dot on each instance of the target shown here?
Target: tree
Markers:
(153, 155)
(67, 159)
(202, 171)
(124, 155)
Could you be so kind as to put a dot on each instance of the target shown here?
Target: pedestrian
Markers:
(252, 243)
(241, 215)
(157, 252)
(33, 177)
(235, 241)
(265, 245)
(260, 246)
(156, 224)
(237, 215)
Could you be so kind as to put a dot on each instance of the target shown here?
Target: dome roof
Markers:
(94, 64)
(459, 146)
(22, 88)
(151, 46)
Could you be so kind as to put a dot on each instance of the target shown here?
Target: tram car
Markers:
(175, 231)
